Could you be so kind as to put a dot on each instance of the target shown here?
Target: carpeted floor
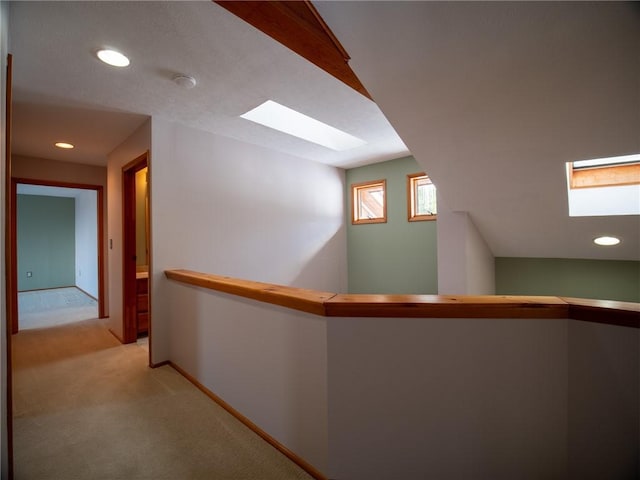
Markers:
(88, 407)
(56, 306)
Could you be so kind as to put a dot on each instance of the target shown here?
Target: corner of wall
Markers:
(466, 265)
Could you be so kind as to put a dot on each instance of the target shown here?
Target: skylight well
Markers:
(604, 186)
(284, 119)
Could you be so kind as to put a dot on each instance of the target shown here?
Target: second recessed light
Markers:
(606, 241)
(112, 57)
(64, 145)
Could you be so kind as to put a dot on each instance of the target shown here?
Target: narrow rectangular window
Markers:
(369, 202)
(421, 198)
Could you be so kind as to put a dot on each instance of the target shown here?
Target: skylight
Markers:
(286, 120)
(604, 186)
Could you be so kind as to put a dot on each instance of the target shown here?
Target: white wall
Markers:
(482, 399)
(466, 265)
(604, 436)
(226, 207)
(137, 144)
(4, 36)
(87, 242)
(267, 362)
(447, 398)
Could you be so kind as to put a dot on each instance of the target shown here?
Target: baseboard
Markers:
(86, 293)
(306, 466)
(162, 364)
(116, 335)
(45, 288)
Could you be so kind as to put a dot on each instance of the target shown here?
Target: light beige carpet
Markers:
(87, 407)
(56, 306)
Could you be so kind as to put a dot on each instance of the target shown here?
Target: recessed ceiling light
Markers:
(284, 119)
(606, 241)
(64, 145)
(113, 58)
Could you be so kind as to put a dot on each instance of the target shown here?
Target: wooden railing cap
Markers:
(417, 306)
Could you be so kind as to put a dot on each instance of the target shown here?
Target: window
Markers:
(421, 198)
(606, 172)
(604, 186)
(369, 202)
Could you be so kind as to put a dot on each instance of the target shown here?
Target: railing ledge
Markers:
(329, 304)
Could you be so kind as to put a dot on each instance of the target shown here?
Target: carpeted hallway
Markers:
(88, 407)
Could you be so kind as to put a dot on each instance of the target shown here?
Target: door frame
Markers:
(13, 266)
(9, 284)
(129, 294)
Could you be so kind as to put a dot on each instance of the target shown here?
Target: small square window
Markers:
(369, 202)
(421, 198)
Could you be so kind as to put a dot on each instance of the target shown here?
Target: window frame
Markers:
(412, 199)
(356, 188)
(604, 175)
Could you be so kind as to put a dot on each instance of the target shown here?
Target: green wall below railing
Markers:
(599, 279)
(394, 257)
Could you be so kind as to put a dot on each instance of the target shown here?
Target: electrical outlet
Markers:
(29, 274)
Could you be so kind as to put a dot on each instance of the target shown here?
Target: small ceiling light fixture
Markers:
(184, 81)
(606, 241)
(112, 57)
(64, 145)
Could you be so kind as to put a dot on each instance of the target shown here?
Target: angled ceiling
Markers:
(492, 98)
(62, 92)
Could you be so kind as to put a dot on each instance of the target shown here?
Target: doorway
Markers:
(136, 254)
(89, 258)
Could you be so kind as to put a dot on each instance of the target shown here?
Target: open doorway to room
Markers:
(136, 255)
(57, 253)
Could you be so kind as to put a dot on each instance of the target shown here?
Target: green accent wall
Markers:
(599, 279)
(46, 241)
(394, 257)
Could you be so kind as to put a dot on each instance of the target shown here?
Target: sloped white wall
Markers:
(492, 98)
(466, 264)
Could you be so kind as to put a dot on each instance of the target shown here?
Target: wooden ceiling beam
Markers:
(298, 26)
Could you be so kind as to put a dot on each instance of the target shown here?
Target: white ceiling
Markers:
(491, 98)
(62, 92)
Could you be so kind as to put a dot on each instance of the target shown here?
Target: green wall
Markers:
(600, 279)
(394, 257)
(46, 241)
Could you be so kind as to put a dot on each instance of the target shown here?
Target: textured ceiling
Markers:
(62, 92)
(492, 98)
